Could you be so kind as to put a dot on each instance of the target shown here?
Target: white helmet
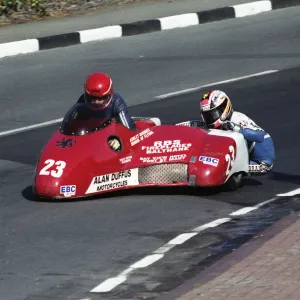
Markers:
(215, 108)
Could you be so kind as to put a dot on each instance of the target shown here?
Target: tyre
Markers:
(234, 182)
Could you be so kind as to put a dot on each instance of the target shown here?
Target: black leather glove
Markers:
(227, 125)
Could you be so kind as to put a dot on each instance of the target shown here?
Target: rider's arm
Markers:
(122, 111)
(248, 128)
(250, 134)
(253, 135)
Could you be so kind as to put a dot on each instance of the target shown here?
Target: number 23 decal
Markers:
(60, 165)
(230, 159)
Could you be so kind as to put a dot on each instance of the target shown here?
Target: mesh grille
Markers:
(164, 173)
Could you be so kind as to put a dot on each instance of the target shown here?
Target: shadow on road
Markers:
(155, 191)
(285, 177)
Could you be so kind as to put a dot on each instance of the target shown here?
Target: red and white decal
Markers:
(167, 147)
(177, 157)
(113, 181)
(154, 159)
(230, 158)
(161, 159)
(140, 136)
(126, 159)
(59, 169)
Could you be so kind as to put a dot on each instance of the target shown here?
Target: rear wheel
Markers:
(235, 181)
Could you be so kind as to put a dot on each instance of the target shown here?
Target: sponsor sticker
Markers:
(167, 147)
(113, 181)
(66, 143)
(187, 123)
(209, 160)
(140, 136)
(126, 159)
(161, 159)
(68, 190)
(155, 159)
(177, 157)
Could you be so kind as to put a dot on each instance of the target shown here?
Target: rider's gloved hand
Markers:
(114, 144)
(227, 125)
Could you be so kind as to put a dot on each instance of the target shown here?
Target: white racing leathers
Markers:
(260, 143)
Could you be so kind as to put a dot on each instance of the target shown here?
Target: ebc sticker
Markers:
(209, 160)
(68, 190)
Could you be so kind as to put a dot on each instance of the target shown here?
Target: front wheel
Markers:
(234, 182)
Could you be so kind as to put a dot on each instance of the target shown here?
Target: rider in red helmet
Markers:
(98, 90)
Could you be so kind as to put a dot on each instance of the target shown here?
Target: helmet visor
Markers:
(99, 101)
(214, 114)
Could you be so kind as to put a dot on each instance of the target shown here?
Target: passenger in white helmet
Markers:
(217, 112)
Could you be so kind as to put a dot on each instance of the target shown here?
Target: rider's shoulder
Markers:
(81, 99)
(238, 117)
(118, 103)
(118, 99)
(244, 121)
(117, 96)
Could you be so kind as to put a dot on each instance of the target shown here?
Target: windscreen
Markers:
(83, 119)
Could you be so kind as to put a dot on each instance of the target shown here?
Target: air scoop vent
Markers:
(164, 173)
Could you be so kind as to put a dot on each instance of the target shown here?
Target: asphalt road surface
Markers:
(62, 250)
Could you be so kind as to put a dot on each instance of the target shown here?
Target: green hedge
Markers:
(7, 7)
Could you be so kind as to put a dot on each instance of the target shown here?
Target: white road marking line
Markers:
(163, 249)
(212, 224)
(111, 283)
(243, 211)
(186, 91)
(266, 202)
(146, 261)
(180, 239)
(126, 272)
(17, 130)
(291, 193)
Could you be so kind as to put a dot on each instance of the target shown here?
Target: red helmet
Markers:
(98, 86)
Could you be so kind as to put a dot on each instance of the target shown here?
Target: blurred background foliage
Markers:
(7, 7)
